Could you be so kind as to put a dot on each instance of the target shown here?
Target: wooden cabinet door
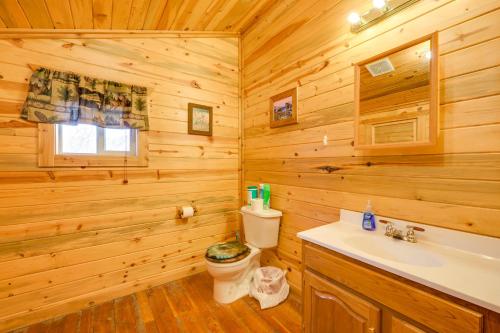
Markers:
(399, 325)
(331, 309)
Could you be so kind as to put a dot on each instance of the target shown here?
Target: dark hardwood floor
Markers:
(179, 306)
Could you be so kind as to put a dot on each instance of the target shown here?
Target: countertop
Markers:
(464, 265)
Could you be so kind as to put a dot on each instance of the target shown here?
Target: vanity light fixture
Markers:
(354, 18)
(379, 4)
(381, 10)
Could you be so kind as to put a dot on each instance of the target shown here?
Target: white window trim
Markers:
(101, 138)
(48, 157)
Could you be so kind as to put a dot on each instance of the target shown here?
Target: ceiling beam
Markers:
(20, 33)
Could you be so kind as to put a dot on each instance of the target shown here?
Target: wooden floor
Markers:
(180, 306)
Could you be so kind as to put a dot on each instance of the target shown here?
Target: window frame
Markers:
(101, 143)
(48, 156)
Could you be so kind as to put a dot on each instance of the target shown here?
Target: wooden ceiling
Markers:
(178, 15)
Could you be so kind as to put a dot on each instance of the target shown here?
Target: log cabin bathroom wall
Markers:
(75, 237)
(308, 44)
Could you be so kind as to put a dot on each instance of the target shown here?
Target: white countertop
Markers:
(457, 263)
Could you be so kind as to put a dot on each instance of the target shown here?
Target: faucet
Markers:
(391, 231)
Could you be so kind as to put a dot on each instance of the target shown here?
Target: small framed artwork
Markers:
(200, 119)
(284, 108)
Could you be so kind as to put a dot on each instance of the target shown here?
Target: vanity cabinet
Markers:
(330, 309)
(344, 295)
(399, 325)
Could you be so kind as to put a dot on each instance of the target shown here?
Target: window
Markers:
(89, 145)
(90, 139)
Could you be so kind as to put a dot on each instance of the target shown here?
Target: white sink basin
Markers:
(443, 259)
(395, 250)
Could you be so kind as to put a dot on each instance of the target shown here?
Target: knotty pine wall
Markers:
(74, 237)
(307, 44)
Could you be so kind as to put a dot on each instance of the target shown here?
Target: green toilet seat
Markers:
(227, 252)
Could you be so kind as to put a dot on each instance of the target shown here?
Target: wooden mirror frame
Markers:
(434, 95)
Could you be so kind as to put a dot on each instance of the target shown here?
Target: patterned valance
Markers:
(63, 97)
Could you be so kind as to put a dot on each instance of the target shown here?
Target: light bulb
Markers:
(379, 4)
(354, 18)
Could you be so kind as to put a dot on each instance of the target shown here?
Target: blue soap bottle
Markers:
(368, 217)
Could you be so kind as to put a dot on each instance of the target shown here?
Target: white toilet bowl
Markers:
(232, 280)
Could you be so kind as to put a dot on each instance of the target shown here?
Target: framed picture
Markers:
(284, 108)
(200, 119)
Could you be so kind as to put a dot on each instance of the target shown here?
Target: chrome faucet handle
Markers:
(410, 234)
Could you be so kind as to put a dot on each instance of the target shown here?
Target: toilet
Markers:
(232, 273)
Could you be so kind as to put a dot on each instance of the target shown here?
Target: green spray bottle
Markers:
(267, 196)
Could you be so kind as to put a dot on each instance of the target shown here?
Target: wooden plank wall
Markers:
(75, 237)
(308, 44)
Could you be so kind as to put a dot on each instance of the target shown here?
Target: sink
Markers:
(442, 259)
(395, 250)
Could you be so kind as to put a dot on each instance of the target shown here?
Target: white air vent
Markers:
(379, 67)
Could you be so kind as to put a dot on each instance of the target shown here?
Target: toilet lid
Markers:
(227, 252)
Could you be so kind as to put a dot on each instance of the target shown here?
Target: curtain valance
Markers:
(64, 97)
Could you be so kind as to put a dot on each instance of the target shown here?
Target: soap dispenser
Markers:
(368, 217)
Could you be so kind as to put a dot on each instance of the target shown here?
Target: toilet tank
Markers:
(261, 227)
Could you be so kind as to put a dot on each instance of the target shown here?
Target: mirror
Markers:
(397, 97)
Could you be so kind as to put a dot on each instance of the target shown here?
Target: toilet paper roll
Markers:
(187, 211)
(257, 205)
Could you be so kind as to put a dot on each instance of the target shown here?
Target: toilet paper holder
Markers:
(179, 212)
